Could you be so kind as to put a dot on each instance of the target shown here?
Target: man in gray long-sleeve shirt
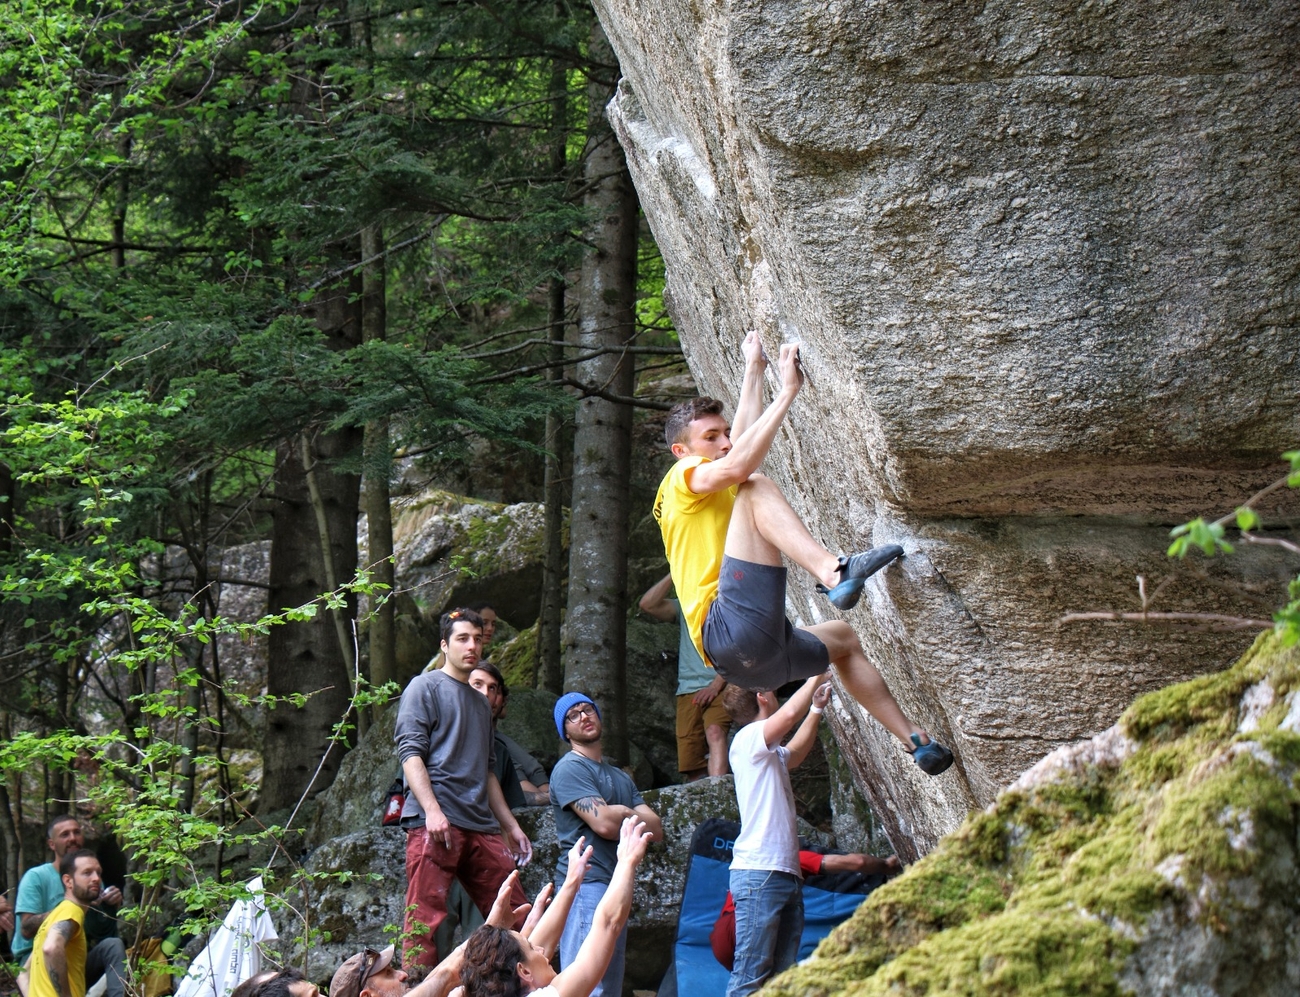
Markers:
(455, 813)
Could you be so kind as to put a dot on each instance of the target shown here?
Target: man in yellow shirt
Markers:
(58, 966)
(725, 528)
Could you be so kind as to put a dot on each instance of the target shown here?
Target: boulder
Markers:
(355, 800)
(1042, 259)
(1158, 858)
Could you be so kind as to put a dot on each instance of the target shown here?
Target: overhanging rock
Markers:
(1043, 259)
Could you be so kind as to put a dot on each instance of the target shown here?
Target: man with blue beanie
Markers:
(591, 797)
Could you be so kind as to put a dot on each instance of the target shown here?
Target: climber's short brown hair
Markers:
(741, 704)
(678, 427)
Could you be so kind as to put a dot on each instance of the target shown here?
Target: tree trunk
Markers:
(378, 469)
(549, 657)
(307, 657)
(595, 643)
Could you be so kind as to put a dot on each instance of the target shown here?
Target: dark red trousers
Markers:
(478, 859)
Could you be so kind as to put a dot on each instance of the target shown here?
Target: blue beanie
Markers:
(567, 702)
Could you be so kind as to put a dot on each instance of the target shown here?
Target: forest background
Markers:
(260, 263)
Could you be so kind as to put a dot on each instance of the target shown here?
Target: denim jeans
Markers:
(581, 916)
(769, 923)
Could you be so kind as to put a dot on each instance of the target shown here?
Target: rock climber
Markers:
(725, 528)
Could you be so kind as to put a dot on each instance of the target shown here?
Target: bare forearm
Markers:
(444, 978)
(803, 740)
(551, 926)
(751, 399)
(655, 602)
(747, 453)
(652, 822)
(615, 906)
(32, 924)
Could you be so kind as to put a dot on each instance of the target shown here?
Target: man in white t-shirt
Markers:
(765, 878)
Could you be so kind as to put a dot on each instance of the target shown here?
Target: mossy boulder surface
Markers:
(1158, 858)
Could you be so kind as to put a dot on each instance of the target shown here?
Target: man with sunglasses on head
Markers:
(591, 797)
(455, 815)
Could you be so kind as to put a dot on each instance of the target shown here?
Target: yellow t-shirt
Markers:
(75, 950)
(695, 532)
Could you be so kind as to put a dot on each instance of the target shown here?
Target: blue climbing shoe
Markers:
(855, 571)
(932, 758)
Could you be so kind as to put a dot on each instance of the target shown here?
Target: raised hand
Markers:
(752, 348)
(542, 901)
(822, 695)
(791, 371)
(579, 859)
(502, 915)
(633, 840)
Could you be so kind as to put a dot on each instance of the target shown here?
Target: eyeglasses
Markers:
(368, 959)
(578, 712)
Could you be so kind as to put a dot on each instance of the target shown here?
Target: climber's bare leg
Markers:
(763, 527)
(862, 681)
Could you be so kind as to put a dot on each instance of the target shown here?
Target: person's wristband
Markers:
(815, 708)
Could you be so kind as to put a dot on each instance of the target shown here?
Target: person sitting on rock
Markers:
(500, 962)
(591, 797)
(725, 528)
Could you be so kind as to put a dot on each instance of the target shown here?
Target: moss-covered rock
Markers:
(1158, 858)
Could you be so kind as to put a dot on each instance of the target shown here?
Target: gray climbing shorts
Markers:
(747, 636)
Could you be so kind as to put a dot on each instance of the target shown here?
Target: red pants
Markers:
(479, 860)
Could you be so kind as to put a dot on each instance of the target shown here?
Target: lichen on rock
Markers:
(1159, 856)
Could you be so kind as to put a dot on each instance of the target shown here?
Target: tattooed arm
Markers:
(602, 817)
(55, 954)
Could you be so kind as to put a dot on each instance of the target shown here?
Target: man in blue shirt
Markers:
(702, 721)
(591, 797)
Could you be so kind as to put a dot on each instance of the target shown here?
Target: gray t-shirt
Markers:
(526, 765)
(575, 778)
(448, 725)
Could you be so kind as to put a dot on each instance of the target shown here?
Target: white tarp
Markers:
(232, 955)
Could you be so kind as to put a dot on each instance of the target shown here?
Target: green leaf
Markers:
(1247, 519)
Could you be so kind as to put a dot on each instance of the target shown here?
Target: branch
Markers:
(1271, 542)
(1218, 620)
(344, 271)
(590, 391)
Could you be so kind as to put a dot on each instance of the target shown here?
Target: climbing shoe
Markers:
(854, 572)
(932, 758)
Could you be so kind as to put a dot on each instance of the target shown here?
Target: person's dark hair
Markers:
(68, 864)
(252, 987)
(678, 427)
(478, 607)
(741, 705)
(491, 967)
(278, 984)
(61, 819)
(495, 672)
(461, 615)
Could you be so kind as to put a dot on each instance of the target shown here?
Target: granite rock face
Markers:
(1044, 261)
